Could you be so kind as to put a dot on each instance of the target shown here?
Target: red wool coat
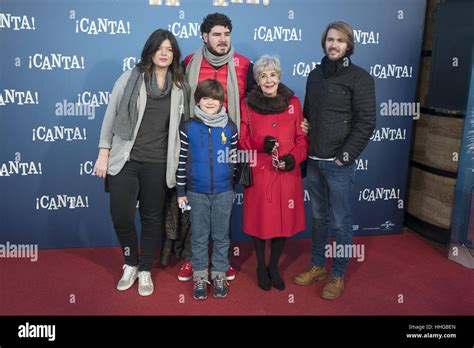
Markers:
(274, 204)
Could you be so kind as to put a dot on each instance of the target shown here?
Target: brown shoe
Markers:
(311, 275)
(333, 288)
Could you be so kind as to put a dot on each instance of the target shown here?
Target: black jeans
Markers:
(146, 182)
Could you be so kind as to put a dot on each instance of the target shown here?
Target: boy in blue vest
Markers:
(205, 181)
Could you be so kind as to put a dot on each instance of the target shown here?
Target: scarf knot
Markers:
(218, 120)
(192, 76)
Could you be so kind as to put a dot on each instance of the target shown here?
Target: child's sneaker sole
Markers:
(220, 296)
(200, 298)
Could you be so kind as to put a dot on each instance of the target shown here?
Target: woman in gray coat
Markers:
(139, 151)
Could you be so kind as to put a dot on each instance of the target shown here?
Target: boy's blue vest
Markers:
(208, 168)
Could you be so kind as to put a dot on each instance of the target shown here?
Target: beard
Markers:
(210, 49)
(338, 53)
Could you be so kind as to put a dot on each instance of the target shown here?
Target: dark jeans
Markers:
(146, 182)
(330, 189)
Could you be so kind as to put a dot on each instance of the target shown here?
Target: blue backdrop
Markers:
(60, 59)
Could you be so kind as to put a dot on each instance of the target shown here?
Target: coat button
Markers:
(274, 124)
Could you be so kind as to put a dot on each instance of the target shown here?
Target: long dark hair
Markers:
(152, 45)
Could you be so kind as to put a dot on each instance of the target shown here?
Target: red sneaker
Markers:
(185, 273)
(230, 274)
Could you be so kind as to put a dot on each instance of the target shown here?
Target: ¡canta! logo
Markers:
(61, 201)
(129, 63)
(102, 25)
(56, 133)
(94, 99)
(379, 194)
(303, 69)
(390, 134)
(19, 22)
(391, 70)
(55, 61)
(87, 168)
(277, 34)
(366, 37)
(185, 30)
(20, 168)
(362, 164)
(11, 96)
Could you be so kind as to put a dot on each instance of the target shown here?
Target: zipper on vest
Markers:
(210, 160)
(215, 74)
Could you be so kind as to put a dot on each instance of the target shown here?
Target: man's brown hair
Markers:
(346, 31)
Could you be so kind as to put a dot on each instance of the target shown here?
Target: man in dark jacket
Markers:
(340, 107)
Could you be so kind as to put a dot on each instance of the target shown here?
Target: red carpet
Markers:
(396, 268)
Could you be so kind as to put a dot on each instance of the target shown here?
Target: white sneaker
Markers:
(145, 284)
(129, 276)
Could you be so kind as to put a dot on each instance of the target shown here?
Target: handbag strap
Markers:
(248, 117)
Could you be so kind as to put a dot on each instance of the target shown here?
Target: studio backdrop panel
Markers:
(60, 59)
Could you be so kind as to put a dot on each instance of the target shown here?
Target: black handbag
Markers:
(106, 183)
(244, 170)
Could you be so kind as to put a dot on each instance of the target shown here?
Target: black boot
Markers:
(262, 274)
(275, 278)
(277, 245)
(263, 279)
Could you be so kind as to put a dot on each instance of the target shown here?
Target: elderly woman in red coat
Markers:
(273, 205)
